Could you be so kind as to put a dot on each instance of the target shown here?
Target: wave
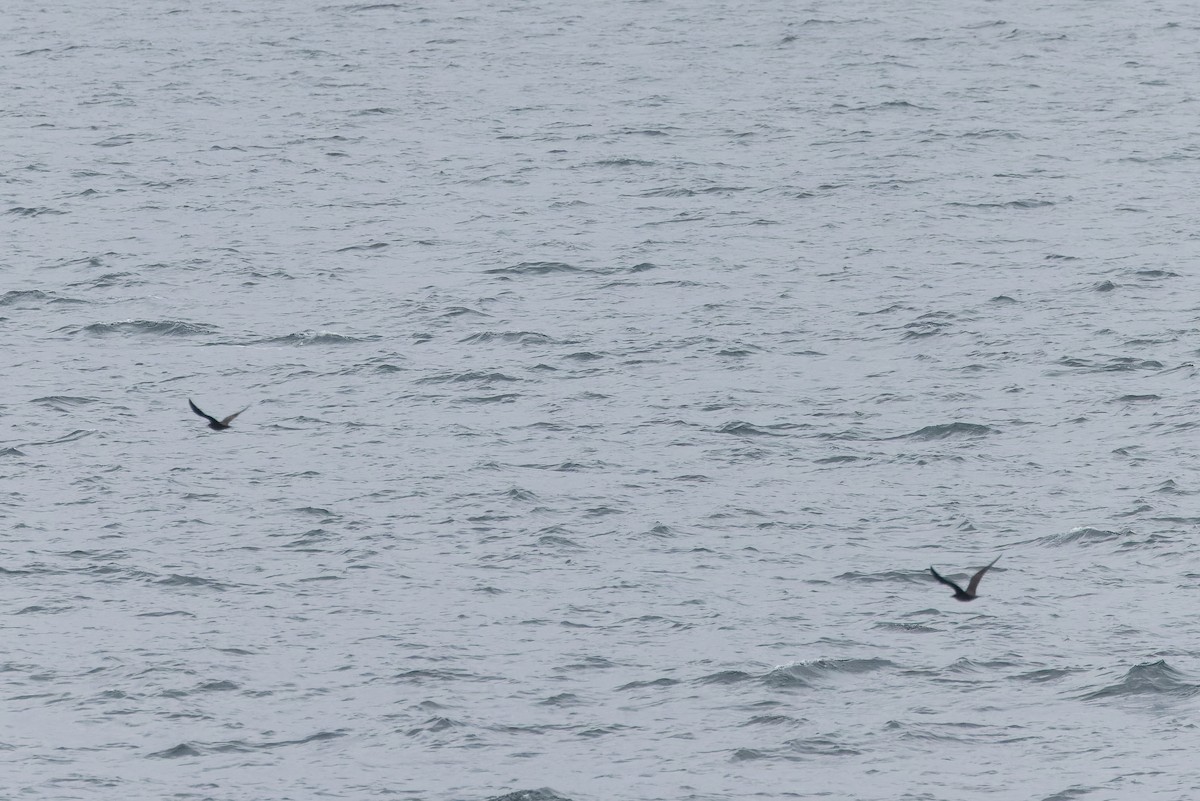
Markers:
(561, 699)
(804, 674)
(315, 338)
(541, 794)
(369, 246)
(1149, 678)
(1084, 535)
(194, 749)
(422, 676)
(178, 580)
(796, 749)
(535, 268)
(1114, 364)
(1071, 793)
(1028, 203)
(23, 296)
(1043, 675)
(473, 376)
(957, 733)
(726, 677)
(177, 328)
(378, 7)
(743, 429)
(508, 397)
(772, 720)
(63, 403)
(434, 724)
(798, 674)
(109, 280)
(33, 211)
(841, 459)
(463, 311)
(907, 628)
(887, 576)
(948, 430)
(683, 191)
(78, 433)
(565, 467)
(623, 162)
(638, 685)
(513, 337)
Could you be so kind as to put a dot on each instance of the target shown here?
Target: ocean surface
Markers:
(616, 371)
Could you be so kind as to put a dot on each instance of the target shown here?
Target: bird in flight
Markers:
(969, 593)
(221, 425)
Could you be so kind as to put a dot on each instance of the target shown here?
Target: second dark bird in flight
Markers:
(214, 423)
(969, 593)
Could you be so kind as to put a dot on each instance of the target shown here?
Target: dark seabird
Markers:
(221, 425)
(969, 593)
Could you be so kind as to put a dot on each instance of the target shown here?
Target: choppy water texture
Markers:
(616, 371)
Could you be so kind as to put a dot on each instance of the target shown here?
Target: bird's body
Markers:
(214, 423)
(969, 593)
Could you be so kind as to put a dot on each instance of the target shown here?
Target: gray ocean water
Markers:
(615, 373)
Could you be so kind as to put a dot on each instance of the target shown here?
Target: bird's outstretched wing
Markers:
(975, 579)
(947, 581)
(207, 417)
(229, 420)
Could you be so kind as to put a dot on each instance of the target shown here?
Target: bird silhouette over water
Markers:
(214, 423)
(969, 593)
